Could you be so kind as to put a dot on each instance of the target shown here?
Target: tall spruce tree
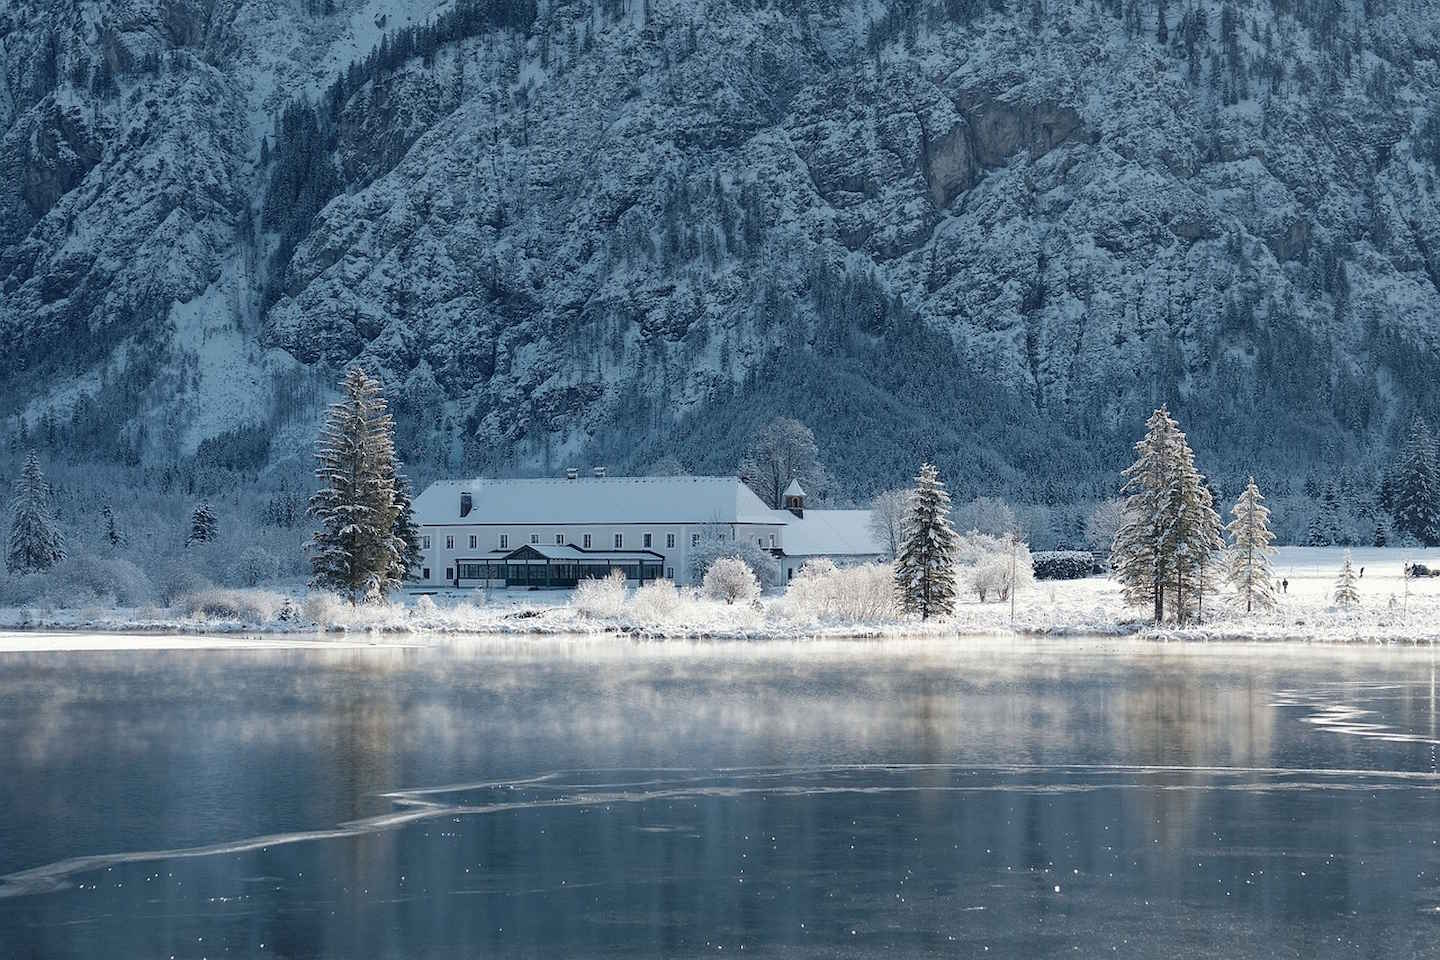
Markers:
(204, 527)
(36, 543)
(361, 549)
(1415, 487)
(1250, 549)
(1347, 593)
(925, 566)
(114, 536)
(406, 529)
(1170, 534)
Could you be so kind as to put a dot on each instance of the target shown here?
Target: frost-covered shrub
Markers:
(22, 591)
(730, 579)
(324, 608)
(175, 580)
(989, 560)
(602, 598)
(859, 594)
(989, 577)
(973, 547)
(1062, 564)
(249, 606)
(254, 566)
(656, 601)
(425, 606)
(992, 576)
(757, 558)
(83, 580)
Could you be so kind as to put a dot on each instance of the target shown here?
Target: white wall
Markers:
(439, 556)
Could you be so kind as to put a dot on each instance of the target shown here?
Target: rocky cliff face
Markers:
(930, 229)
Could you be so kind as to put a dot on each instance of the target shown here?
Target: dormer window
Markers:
(466, 503)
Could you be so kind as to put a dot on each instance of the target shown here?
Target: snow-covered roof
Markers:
(835, 533)
(595, 500)
(794, 490)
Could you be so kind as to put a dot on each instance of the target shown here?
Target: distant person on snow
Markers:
(1285, 585)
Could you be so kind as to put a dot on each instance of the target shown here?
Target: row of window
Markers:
(549, 573)
(648, 541)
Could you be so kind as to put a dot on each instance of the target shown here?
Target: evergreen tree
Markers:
(1324, 527)
(406, 530)
(36, 543)
(357, 550)
(204, 528)
(1196, 535)
(1346, 594)
(1170, 531)
(113, 536)
(1415, 487)
(1250, 550)
(925, 567)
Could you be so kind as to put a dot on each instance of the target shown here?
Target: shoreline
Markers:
(181, 633)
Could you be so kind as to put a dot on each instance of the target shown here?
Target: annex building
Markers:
(555, 532)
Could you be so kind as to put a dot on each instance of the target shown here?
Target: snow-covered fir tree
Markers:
(1170, 534)
(1250, 549)
(1415, 487)
(925, 566)
(36, 543)
(204, 527)
(361, 549)
(1347, 593)
(114, 537)
(406, 529)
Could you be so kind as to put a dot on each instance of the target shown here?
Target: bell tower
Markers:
(794, 497)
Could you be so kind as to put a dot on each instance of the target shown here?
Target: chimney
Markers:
(571, 473)
(598, 471)
(467, 502)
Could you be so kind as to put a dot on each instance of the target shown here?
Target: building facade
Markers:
(554, 532)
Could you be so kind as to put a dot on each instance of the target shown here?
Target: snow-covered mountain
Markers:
(991, 233)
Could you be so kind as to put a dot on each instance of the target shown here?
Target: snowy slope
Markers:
(566, 232)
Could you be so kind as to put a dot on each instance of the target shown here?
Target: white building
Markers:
(554, 532)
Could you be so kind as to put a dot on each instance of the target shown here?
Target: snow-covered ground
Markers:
(1391, 610)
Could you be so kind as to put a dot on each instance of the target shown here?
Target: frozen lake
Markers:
(585, 798)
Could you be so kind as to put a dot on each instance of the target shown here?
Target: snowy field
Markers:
(1391, 610)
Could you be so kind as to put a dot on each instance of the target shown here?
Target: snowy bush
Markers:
(859, 594)
(656, 601)
(730, 579)
(254, 566)
(602, 598)
(1062, 564)
(83, 580)
(991, 577)
(973, 547)
(757, 558)
(990, 559)
(175, 579)
(28, 590)
(324, 608)
(247, 606)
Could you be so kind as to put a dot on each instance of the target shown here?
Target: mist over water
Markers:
(563, 798)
